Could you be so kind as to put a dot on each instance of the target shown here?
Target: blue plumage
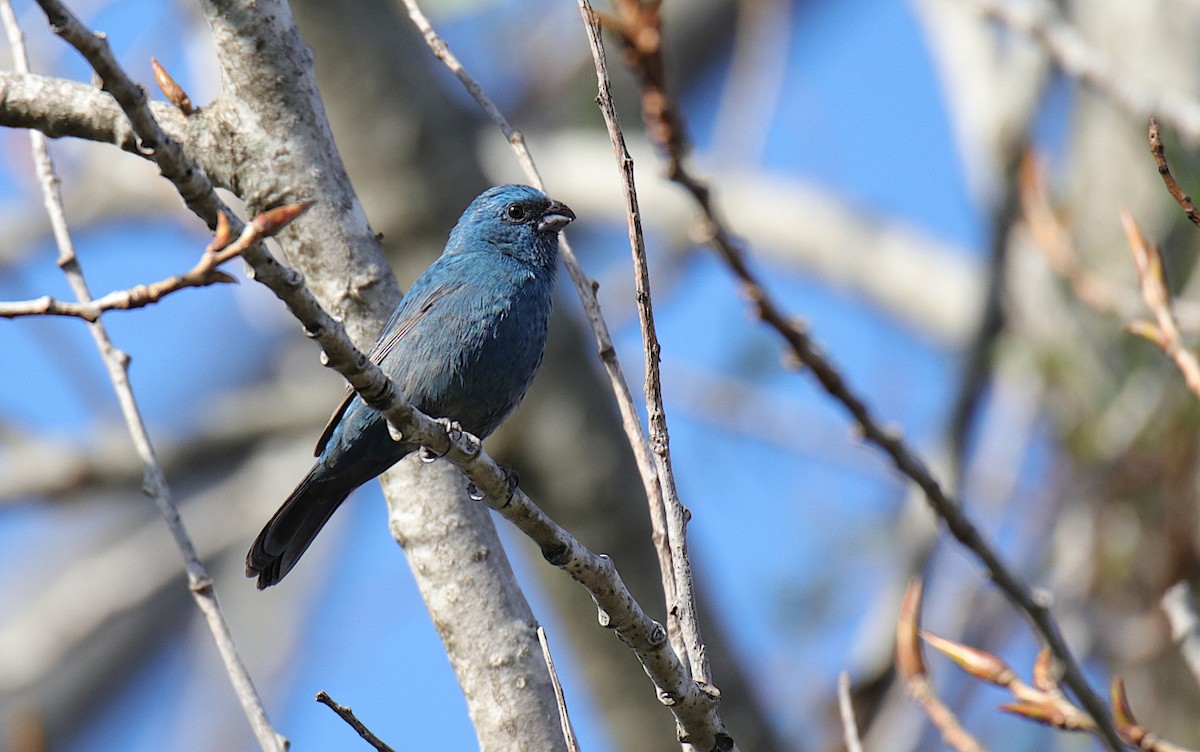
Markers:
(464, 343)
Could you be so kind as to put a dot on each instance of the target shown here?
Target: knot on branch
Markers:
(557, 555)
(657, 636)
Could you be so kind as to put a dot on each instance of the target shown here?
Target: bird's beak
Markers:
(557, 216)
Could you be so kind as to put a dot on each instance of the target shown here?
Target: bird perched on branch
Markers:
(464, 344)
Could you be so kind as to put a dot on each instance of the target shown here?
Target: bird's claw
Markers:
(511, 480)
(454, 432)
(454, 429)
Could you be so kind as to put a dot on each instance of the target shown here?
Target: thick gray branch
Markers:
(58, 107)
(285, 151)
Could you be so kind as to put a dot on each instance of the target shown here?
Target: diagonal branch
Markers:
(683, 608)
(346, 714)
(58, 107)
(154, 482)
(564, 717)
(204, 273)
(639, 28)
(586, 287)
(1160, 160)
(1152, 279)
(1076, 57)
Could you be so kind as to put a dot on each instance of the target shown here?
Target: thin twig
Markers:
(204, 273)
(639, 28)
(564, 717)
(846, 711)
(191, 182)
(1135, 734)
(1043, 701)
(1052, 237)
(586, 287)
(910, 664)
(1160, 158)
(1164, 331)
(346, 714)
(117, 362)
(1180, 609)
(684, 607)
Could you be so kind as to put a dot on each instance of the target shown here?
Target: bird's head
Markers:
(515, 220)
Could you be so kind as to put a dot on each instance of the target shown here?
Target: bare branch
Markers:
(1160, 158)
(58, 107)
(910, 663)
(683, 608)
(1076, 57)
(564, 717)
(1164, 332)
(1044, 702)
(117, 362)
(846, 711)
(638, 27)
(202, 274)
(586, 287)
(346, 714)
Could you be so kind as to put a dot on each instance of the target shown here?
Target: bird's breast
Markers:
(473, 359)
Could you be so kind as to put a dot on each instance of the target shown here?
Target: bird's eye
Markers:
(515, 212)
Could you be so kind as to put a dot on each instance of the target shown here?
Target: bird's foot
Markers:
(454, 429)
(453, 433)
(511, 480)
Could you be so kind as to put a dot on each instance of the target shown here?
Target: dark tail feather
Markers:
(287, 536)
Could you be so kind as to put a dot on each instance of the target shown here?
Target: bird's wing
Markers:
(401, 323)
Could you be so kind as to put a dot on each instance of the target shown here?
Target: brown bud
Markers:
(1122, 713)
(218, 277)
(273, 220)
(1147, 257)
(977, 663)
(909, 661)
(173, 91)
(1044, 671)
(1034, 711)
(1146, 330)
(222, 237)
(1133, 234)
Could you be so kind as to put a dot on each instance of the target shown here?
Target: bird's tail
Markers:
(288, 534)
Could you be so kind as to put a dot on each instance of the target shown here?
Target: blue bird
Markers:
(463, 344)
